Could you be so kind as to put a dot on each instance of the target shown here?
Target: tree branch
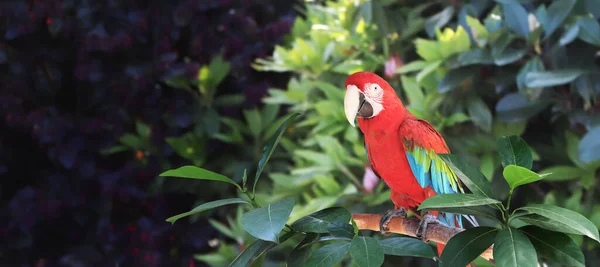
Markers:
(435, 232)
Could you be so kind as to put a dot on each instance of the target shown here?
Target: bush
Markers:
(476, 70)
(92, 108)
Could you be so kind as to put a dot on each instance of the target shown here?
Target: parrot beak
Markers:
(355, 104)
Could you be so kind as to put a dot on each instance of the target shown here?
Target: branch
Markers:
(435, 232)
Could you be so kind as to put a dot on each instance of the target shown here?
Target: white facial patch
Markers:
(374, 95)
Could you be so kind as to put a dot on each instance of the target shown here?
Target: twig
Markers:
(435, 232)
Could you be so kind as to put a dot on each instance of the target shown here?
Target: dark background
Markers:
(77, 75)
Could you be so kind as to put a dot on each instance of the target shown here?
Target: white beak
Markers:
(351, 103)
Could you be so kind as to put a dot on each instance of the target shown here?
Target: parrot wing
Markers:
(422, 145)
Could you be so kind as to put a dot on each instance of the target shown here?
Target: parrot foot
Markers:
(425, 221)
(387, 217)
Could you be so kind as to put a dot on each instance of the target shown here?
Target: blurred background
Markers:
(99, 97)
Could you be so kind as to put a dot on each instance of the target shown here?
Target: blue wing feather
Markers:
(442, 180)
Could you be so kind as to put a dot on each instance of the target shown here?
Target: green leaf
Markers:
(413, 92)
(513, 249)
(219, 69)
(516, 18)
(428, 49)
(113, 150)
(366, 251)
(207, 206)
(483, 211)
(514, 150)
(534, 64)
(328, 255)
(589, 146)
(455, 78)
(267, 222)
(538, 79)
(428, 70)
(341, 229)
(270, 147)
(556, 247)
(467, 245)
(570, 34)
(541, 221)
(132, 141)
(194, 172)
(479, 32)
(514, 107)
(480, 114)
(142, 129)
(254, 121)
(517, 175)
(301, 252)
(475, 56)
(406, 246)
(255, 250)
(589, 30)
(317, 222)
(561, 173)
(455, 201)
(557, 12)
(564, 218)
(469, 175)
(412, 66)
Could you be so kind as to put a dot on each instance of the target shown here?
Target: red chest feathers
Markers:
(388, 158)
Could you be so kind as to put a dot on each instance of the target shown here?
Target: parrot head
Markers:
(366, 94)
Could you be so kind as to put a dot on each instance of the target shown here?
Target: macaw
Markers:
(402, 150)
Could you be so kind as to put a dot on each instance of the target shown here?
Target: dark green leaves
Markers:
(555, 247)
(514, 107)
(455, 77)
(557, 13)
(517, 175)
(469, 175)
(340, 229)
(538, 79)
(557, 219)
(513, 249)
(270, 147)
(514, 150)
(266, 222)
(406, 246)
(194, 172)
(366, 251)
(207, 206)
(252, 252)
(317, 222)
(456, 200)
(516, 18)
(467, 245)
(480, 114)
(328, 255)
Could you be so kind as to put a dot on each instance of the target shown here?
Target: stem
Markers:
(251, 198)
(510, 193)
(349, 174)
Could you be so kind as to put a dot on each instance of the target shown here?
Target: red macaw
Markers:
(402, 150)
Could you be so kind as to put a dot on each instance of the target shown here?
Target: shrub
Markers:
(477, 70)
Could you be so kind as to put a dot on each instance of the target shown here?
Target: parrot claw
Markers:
(387, 217)
(425, 221)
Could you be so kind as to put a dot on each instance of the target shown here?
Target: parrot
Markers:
(403, 151)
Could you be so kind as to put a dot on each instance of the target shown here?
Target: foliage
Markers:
(93, 108)
(335, 236)
(484, 73)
